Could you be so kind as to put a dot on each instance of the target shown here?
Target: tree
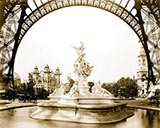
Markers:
(30, 84)
(127, 87)
(124, 87)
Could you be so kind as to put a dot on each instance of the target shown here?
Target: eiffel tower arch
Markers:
(18, 16)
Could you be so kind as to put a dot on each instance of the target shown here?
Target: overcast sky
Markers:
(111, 45)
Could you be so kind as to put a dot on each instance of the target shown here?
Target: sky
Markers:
(111, 45)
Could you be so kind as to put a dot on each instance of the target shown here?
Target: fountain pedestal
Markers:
(80, 103)
(82, 113)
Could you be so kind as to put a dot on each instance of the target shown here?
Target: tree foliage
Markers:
(124, 87)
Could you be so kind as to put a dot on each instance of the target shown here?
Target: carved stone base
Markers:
(83, 113)
(81, 100)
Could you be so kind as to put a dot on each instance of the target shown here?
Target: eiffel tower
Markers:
(18, 16)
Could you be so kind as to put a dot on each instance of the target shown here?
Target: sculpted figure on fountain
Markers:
(82, 69)
(81, 66)
(68, 85)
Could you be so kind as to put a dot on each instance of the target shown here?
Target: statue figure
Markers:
(68, 85)
(81, 66)
(79, 49)
(98, 90)
(57, 75)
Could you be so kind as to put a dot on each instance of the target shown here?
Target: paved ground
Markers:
(139, 103)
(5, 104)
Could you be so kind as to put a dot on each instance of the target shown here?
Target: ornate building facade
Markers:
(46, 79)
(142, 73)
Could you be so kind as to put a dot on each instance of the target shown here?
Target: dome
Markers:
(35, 71)
(47, 69)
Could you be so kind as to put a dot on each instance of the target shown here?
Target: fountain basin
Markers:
(81, 100)
(82, 113)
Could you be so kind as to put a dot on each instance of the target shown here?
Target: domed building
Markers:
(46, 79)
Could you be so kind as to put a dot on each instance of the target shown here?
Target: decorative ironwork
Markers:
(28, 13)
(152, 30)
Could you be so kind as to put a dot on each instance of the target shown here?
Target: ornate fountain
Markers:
(76, 101)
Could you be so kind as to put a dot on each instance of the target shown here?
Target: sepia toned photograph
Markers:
(79, 63)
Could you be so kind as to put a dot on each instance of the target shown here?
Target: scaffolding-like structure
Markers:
(18, 16)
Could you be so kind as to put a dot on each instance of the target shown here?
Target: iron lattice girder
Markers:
(107, 5)
(119, 8)
(10, 11)
(6, 7)
(151, 10)
(3, 4)
(154, 7)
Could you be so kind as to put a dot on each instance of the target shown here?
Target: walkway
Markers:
(144, 107)
(141, 104)
(5, 105)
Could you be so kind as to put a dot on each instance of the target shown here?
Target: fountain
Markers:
(76, 101)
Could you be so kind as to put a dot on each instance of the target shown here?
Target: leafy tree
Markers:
(30, 84)
(127, 87)
(124, 87)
